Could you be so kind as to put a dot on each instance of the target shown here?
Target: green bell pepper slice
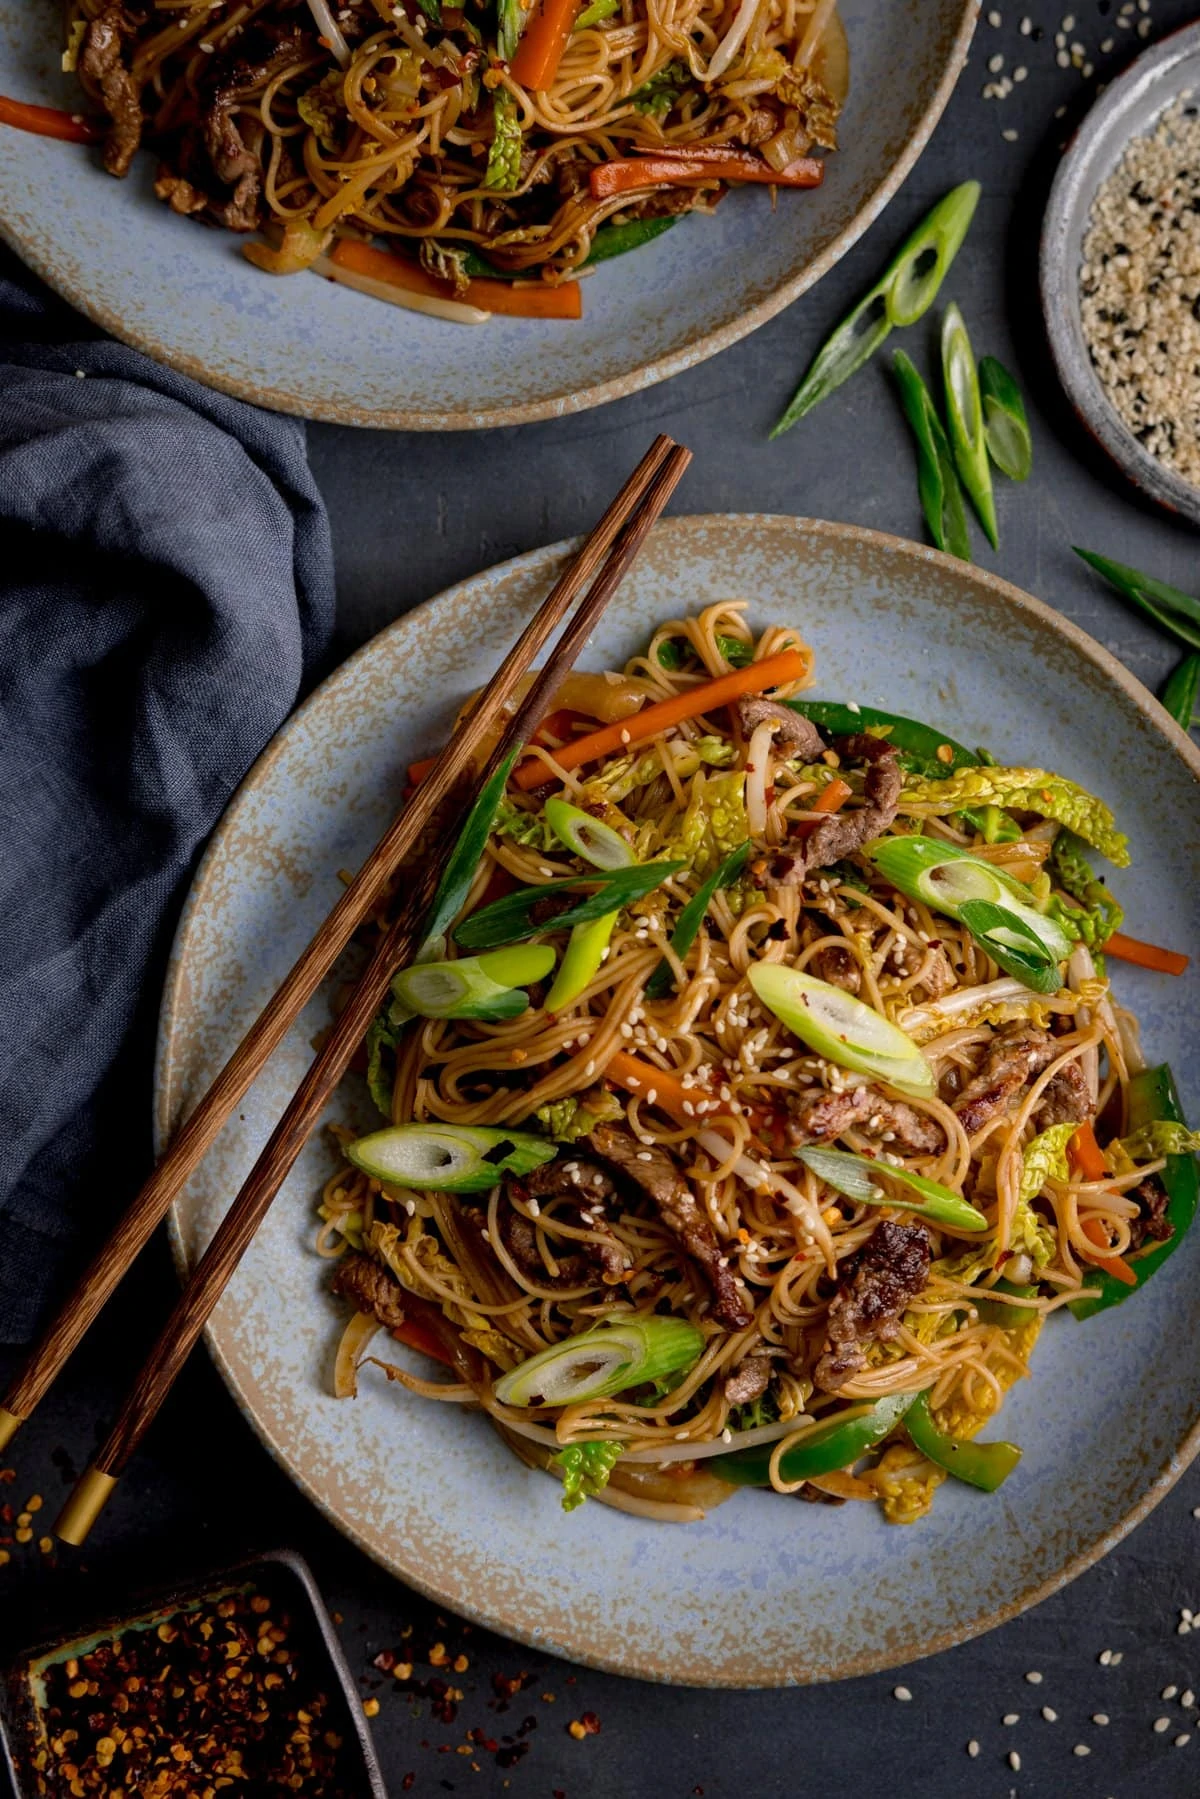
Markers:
(836, 1444)
(993, 1310)
(983, 1465)
(1152, 1095)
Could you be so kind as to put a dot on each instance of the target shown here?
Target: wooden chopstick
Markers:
(236, 1231)
(196, 1136)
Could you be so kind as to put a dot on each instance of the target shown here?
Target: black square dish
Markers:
(237, 1676)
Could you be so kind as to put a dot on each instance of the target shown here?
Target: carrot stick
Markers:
(625, 174)
(1085, 1155)
(830, 799)
(417, 771)
(1146, 955)
(1093, 1230)
(659, 1089)
(788, 665)
(419, 1336)
(545, 38)
(48, 121)
(537, 300)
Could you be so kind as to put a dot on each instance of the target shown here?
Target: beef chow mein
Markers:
(758, 1096)
(492, 138)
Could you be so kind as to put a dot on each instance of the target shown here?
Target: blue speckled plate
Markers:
(764, 1592)
(185, 294)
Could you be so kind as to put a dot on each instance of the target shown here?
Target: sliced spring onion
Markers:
(588, 837)
(843, 353)
(948, 879)
(692, 917)
(1175, 611)
(964, 410)
(982, 1465)
(919, 267)
(861, 1179)
(476, 987)
(1012, 944)
(1005, 425)
(603, 1361)
(937, 478)
(581, 960)
(1179, 694)
(455, 883)
(841, 1028)
(448, 1158)
(558, 905)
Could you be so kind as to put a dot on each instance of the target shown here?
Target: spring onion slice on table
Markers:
(937, 472)
(761, 1094)
(964, 411)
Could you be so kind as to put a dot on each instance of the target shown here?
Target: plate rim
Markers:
(1175, 1459)
(1058, 281)
(559, 405)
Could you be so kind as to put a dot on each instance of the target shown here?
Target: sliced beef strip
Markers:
(1016, 1055)
(748, 1381)
(888, 1271)
(844, 834)
(652, 1171)
(1152, 1221)
(824, 1116)
(1066, 1099)
(569, 1173)
(370, 1288)
(792, 728)
(840, 967)
(102, 65)
(577, 1269)
(234, 162)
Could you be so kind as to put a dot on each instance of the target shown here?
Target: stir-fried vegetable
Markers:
(1146, 955)
(964, 410)
(1176, 611)
(1005, 425)
(841, 1028)
(585, 1470)
(995, 908)
(773, 671)
(48, 121)
(530, 299)
(614, 240)
(692, 917)
(904, 291)
(1179, 694)
(546, 36)
(921, 749)
(1045, 1157)
(982, 1465)
(1152, 1097)
(993, 1309)
(658, 1087)
(477, 987)
(604, 1361)
(448, 1158)
(627, 174)
(593, 14)
(588, 837)
(1024, 790)
(937, 478)
(864, 1180)
(504, 157)
(465, 857)
(1100, 915)
(558, 905)
(839, 1443)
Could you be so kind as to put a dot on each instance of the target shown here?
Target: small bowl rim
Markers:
(1058, 280)
(144, 1602)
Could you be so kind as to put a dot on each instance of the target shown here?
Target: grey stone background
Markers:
(410, 515)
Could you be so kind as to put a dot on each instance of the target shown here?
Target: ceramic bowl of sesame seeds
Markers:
(1120, 272)
(759, 1592)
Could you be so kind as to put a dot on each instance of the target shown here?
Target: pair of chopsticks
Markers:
(444, 797)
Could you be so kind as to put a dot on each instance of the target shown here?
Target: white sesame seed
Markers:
(1025, 27)
(1081, 1749)
(1196, 1511)
(1118, 1656)
(994, 19)
(1105, 1657)
(1186, 1612)
(1183, 1737)
(1062, 59)
(1014, 1761)
(1161, 1724)
(1188, 1700)
(1011, 1718)
(1009, 136)
(1068, 23)
(1100, 1718)
(1020, 73)
(1050, 1715)
(1168, 1692)
(1183, 1630)
(901, 1693)
(1088, 70)
(1034, 1678)
(995, 64)
(972, 1748)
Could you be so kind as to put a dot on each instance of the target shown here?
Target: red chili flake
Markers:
(408, 1783)
(385, 1661)
(591, 1723)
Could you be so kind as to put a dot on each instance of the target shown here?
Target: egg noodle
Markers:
(713, 1078)
(409, 122)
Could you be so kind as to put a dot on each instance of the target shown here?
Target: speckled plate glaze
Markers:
(763, 1592)
(302, 345)
(1130, 108)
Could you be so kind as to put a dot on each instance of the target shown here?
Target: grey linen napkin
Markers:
(166, 592)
